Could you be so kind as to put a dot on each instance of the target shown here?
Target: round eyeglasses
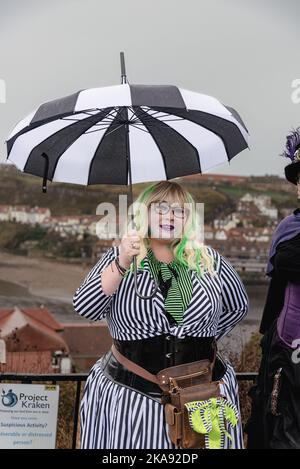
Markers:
(162, 208)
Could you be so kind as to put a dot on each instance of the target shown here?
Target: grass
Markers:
(67, 393)
(247, 361)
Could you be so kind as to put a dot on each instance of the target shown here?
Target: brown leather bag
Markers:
(180, 384)
(186, 383)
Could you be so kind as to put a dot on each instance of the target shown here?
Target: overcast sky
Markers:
(243, 52)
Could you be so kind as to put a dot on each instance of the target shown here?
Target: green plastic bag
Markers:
(210, 418)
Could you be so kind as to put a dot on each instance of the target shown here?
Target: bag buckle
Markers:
(174, 386)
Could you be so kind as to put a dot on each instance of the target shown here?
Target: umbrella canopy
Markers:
(171, 132)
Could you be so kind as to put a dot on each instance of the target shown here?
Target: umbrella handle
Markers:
(143, 297)
(46, 169)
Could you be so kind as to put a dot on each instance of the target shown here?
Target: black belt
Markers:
(165, 350)
(190, 349)
(114, 371)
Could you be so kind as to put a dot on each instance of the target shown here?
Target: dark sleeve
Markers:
(286, 263)
(287, 259)
(274, 302)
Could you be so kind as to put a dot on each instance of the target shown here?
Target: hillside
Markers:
(218, 193)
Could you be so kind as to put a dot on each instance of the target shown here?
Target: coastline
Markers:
(42, 277)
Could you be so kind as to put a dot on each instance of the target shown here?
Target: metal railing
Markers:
(79, 378)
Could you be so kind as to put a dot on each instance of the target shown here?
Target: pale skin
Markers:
(161, 236)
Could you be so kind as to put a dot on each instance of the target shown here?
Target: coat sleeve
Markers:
(235, 301)
(287, 259)
(89, 300)
(274, 301)
(286, 262)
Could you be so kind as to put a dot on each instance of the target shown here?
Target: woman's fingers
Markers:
(130, 246)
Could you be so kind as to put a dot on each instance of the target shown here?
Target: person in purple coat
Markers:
(275, 416)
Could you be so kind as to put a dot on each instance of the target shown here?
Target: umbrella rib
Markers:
(106, 134)
(113, 110)
(72, 120)
(133, 125)
(154, 122)
(161, 119)
(92, 113)
(134, 114)
(106, 126)
(156, 112)
(113, 117)
(96, 130)
(106, 119)
(104, 122)
(80, 120)
(167, 120)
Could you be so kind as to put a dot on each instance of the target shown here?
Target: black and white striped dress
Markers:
(114, 416)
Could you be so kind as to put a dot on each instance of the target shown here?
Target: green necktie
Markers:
(175, 282)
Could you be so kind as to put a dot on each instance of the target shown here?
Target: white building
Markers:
(65, 224)
(24, 214)
(38, 215)
(231, 221)
(5, 212)
(262, 202)
(260, 235)
(20, 213)
(221, 235)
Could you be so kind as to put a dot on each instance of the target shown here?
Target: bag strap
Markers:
(215, 347)
(131, 366)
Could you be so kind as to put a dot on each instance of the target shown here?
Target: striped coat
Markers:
(114, 416)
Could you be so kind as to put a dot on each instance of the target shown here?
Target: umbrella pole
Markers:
(124, 81)
(123, 69)
(143, 297)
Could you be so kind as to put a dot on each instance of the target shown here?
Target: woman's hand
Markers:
(127, 251)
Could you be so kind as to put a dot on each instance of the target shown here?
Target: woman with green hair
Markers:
(199, 299)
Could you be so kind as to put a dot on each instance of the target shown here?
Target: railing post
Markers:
(76, 413)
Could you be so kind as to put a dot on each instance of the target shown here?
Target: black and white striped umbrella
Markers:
(126, 134)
